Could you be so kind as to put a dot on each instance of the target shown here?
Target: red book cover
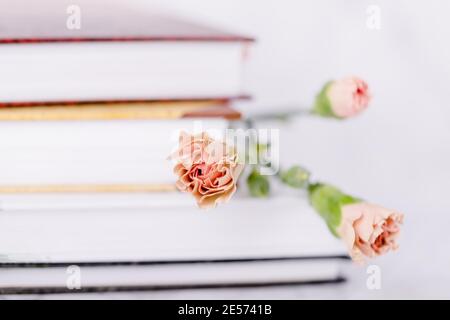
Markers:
(52, 21)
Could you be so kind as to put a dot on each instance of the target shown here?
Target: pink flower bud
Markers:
(348, 97)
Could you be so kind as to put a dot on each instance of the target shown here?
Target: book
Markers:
(128, 277)
(134, 227)
(161, 241)
(119, 53)
(94, 156)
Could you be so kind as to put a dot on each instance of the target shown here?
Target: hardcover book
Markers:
(93, 156)
(118, 53)
(160, 241)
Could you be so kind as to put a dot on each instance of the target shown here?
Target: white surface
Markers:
(395, 154)
(108, 71)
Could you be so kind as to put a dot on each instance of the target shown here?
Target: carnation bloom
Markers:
(206, 168)
(369, 230)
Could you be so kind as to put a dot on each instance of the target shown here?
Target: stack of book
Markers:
(88, 117)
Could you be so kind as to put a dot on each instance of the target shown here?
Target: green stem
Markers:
(312, 186)
(280, 116)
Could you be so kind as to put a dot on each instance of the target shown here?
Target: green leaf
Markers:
(296, 177)
(322, 105)
(258, 184)
(327, 201)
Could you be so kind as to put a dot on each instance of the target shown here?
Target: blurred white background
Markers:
(396, 154)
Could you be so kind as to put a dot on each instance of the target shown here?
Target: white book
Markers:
(116, 52)
(159, 227)
(113, 71)
(161, 241)
(145, 277)
(94, 152)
